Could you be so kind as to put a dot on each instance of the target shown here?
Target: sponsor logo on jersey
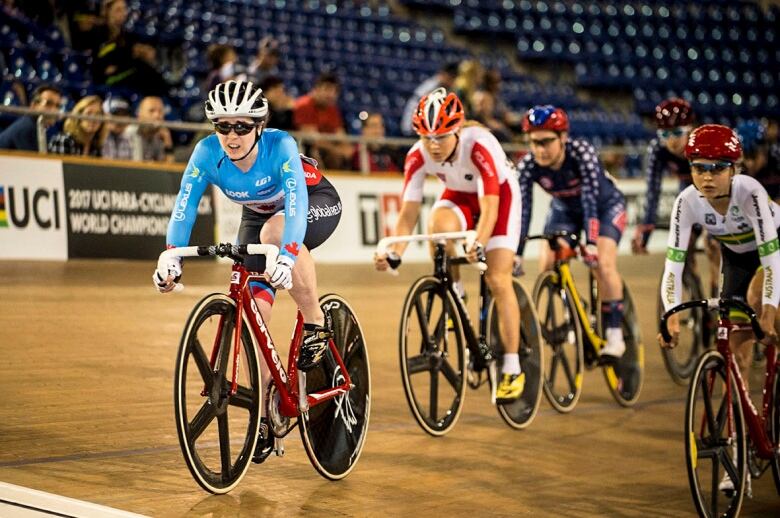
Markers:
(266, 191)
(709, 218)
(546, 183)
(286, 167)
(237, 194)
(178, 212)
(469, 177)
(195, 173)
(262, 181)
(316, 211)
(669, 289)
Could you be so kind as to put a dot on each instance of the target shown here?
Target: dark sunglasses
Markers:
(241, 128)
(715, 169)
(674, 132)
(543, 142)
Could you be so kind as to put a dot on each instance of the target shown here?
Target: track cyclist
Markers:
(480, 193)
(584, 197)
(736, 211)
(260, 169)
(758, 161)
(674, 120)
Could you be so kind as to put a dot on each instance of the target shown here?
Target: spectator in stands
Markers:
(318, 111)
(483, 106)
(153, 141)
(266, 62)
(120, 59)
(23, 134)
(79, 136)
(223, 65)
(471, 76)
(445, 77)
(83, 16)
(758, 162)
(380, 157)
(502, 112)
(116, 144)
(280, 104)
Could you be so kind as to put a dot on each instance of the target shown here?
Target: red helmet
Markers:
(673, 113)
(545, 117)
(439, 113)
(714, 142)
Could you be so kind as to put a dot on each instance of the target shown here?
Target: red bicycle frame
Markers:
(756, 423)
(287, 382)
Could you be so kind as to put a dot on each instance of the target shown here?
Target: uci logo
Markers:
(41, 206)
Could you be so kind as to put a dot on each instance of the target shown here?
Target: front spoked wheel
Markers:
(694, 333)
(217, 431)
(334, 432)
(522, 411)
(715, 448)
(563, 358)
(626, 376)
(432, 356)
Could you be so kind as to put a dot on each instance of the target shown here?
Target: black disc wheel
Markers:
(217, 430)
(563, 358)
(715, 443)
(626, 376)
(694, 333)
(334, 432)
(432, 356)
(521, 412)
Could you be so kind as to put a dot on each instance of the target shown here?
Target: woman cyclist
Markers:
(480, 193)
(260, 168)
(584, 197)
(736, 211)
(674, 120)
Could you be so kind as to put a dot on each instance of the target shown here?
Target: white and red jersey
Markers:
(480, 167)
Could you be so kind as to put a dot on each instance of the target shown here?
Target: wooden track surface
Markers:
(86, 411)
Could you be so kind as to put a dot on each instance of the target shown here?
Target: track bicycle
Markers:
(572, 330)
(218, 391)
(717, 411)
(441, 352)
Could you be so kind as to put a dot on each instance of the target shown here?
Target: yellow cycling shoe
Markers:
(510, 388)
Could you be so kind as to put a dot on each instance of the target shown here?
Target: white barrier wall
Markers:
(371, 205)
(38, 198)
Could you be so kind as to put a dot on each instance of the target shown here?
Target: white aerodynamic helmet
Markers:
(236, 99)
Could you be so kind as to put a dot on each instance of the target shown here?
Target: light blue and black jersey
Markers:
(275, 183)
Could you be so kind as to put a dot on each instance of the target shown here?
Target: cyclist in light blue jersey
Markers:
(280, 191)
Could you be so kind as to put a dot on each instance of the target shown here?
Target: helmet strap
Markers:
(257, 139)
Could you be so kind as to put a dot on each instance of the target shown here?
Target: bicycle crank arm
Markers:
(303, 395)
(279, 446)
(493, 376)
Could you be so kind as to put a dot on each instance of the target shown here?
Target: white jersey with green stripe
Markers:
(750, 224)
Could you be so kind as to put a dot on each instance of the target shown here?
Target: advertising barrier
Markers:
(57, 209)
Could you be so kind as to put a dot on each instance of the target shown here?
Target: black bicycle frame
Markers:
(480, 351)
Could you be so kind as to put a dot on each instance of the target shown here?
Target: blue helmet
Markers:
(752, 134)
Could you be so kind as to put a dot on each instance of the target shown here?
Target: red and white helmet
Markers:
(673, 113)
(546, 117)
(439, 113)
(714, 142)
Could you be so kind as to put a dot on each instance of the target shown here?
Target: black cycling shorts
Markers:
(323, 218)
(736, 272)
